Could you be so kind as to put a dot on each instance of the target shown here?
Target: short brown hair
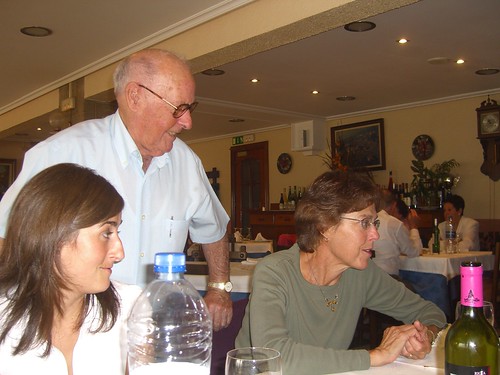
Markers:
(331, 195)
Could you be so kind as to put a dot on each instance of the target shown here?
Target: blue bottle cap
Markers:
(170, 263)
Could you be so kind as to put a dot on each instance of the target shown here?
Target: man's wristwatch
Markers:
(227, 286)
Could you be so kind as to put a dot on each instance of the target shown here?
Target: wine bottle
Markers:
(471, 345)
(390, 184)
(282, 202)
(435, 244)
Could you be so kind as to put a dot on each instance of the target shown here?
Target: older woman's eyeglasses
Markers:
(178, 110)
(365, 223)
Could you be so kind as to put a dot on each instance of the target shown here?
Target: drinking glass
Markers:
(489, 313)
(253, 361)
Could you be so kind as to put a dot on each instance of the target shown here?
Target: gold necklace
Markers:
(330, 303)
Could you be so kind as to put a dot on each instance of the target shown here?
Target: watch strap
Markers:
(226, 286)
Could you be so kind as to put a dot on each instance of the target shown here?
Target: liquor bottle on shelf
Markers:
(435, 244)
(282, 202)
(285, 199)
(471, 344)
(391, 182)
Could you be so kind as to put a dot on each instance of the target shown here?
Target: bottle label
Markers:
(451, 369)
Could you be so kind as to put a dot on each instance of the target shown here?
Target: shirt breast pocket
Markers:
(175, 234)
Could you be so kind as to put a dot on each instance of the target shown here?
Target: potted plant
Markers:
(431, 184)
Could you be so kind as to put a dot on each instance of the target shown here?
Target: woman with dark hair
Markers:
(306, 301)
(59, 311)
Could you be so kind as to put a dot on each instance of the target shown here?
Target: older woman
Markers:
(306, 300)
(59, 312)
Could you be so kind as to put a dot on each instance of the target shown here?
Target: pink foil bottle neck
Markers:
(471, 285)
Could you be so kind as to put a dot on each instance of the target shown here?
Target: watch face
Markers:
(490, 123)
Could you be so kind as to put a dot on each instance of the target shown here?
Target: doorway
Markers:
(249, 181)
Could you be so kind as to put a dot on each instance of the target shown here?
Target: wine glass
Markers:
(488, 310)
(253, 361)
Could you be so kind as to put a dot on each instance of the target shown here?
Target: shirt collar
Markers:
(126, 147)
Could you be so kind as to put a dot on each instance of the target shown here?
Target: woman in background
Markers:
(306, 301)
(59, 311)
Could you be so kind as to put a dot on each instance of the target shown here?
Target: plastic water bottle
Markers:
(451, 236)
(169, 327)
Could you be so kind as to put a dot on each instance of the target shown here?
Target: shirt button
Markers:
(142, 255)
(143, 217)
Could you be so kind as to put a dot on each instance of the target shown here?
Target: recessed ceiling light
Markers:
(254, 80)
(213, 72)
(236, 120)
(345, 98)
(39, 129)
(360, 26)
(460, 61)
(315, 92)
(403, 41)
(37, 31)
(487, 71)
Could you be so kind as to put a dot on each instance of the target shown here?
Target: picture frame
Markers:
(361, 145)
(7, 174)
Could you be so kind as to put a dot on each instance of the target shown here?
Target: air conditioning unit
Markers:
(309, 137)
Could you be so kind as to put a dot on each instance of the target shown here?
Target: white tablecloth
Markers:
(433, 363)
(447, 265)
(241, 276)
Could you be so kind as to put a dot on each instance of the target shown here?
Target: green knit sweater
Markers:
(287, 313)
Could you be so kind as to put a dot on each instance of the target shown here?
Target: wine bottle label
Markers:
(451, 369)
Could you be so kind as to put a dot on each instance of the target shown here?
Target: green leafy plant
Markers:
(427, 181)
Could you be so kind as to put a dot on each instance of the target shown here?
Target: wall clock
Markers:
(284, 163)
(422, 147)
(488, 133)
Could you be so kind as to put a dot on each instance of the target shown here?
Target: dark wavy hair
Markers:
(49, 212)
(331, 195)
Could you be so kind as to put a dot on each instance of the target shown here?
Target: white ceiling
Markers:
(371, 66)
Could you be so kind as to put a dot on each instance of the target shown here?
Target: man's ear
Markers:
(132, 97)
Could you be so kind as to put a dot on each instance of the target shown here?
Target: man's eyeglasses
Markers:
(178, 110)
(365, 223)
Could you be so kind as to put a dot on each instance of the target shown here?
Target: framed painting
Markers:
(7, 174)
(360, 146)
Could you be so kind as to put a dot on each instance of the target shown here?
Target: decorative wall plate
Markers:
(284, 163)
(422, 147)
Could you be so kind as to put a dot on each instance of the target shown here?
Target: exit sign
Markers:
(240, 139)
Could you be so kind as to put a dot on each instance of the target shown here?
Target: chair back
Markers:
(223, 340)
(495, 290)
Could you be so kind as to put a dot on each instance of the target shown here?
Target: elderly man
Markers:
(163, 182)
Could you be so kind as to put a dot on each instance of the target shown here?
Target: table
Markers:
(436, 277)
(241, 274)
(255, 247)
(433, 363)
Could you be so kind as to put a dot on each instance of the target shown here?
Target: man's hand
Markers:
(220, 307)
(218, 301)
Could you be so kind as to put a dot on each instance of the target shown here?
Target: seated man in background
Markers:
(467, 229)
(396, 237)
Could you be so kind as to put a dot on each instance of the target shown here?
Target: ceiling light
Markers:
(37, 31)
(213, 72)
(236, 120)
(345, 98)
(460, 61)
(403, 41)
(39, 129)
(315, 92)
(360, 26)
(487, 71)
(254, 80)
